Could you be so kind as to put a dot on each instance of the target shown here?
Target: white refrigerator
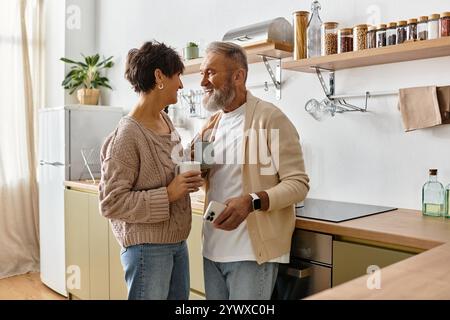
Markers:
(63, 133)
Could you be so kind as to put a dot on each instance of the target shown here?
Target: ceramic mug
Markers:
(186, 166)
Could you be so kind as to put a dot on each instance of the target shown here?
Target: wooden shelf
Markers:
(254, 52)
(398, 53)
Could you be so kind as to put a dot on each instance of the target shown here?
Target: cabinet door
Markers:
(351, 260)
(117, 285)
(98, 251)
(194, 243)
(77, 243)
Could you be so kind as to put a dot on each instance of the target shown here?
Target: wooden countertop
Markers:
(423, 276)
(86, 186)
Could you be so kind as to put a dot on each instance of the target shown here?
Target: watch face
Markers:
(257, 204)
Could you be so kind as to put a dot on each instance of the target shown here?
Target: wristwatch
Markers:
(256, 201)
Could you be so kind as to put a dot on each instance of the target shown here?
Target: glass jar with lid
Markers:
(372, 37)
(345, 43)
(381, 36)
(422, 28)
(433, 26)
(391, 34)
(445, 24)
(360, 37)
(412, 29)
(329, 38)
(401, 31)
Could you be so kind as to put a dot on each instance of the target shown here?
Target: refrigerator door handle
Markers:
(55, 164)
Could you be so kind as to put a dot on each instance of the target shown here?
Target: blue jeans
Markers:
(156, 271)
(241, 280)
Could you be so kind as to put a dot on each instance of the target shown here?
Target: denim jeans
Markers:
(241, 280)
(156, 271)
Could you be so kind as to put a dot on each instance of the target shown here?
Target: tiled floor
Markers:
(26, 287)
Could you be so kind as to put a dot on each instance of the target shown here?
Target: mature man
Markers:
(258, 173)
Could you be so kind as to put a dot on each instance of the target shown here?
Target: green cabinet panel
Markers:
(77, 244)
(351, 260)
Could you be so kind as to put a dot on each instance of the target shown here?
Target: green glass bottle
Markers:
(447, 201)
(433, 196)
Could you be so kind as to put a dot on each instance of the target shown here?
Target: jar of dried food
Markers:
(345, 43)
(360, 37)
(401, 31)
(300, 29)
(422, 28)
(372, 37)
(329, 38)
(445, 24)
(412, 29)
(391, 34)
(433, 26)
(381, 36)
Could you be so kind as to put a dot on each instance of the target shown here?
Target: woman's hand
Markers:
(183, 184)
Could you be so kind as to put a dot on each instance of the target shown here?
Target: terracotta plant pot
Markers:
(88, 96)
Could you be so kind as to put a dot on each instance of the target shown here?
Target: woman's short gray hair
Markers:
(230, 50)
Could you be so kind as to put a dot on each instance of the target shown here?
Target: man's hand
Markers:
(236, 211)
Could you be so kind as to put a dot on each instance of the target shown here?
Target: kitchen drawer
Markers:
(312, 246)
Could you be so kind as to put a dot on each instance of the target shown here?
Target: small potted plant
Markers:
(191, 51)
(87, 75)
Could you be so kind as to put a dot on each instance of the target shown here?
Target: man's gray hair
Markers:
(230, 50)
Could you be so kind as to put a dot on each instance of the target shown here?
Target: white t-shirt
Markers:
(225, 182)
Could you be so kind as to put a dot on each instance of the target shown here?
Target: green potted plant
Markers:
(86, 77)
(191, 51)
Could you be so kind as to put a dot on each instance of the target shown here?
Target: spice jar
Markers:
(345, 43)
(422, 28)
(300, 29)
(401, 31)
(381, 36)
(391, 34)
(412, 29)
(433, 26)
(372, 37)
(445, 24)
(360, 37)
(329, 38)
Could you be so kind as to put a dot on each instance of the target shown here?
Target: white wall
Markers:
(70, 31)
(353, 157)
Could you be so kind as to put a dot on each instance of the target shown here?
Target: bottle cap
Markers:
(402, 23)
(434, 16)
(412, 21)
(433, 172)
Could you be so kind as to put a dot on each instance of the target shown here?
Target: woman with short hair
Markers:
(147, 204)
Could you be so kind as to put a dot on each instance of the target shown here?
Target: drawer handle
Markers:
(297, 273)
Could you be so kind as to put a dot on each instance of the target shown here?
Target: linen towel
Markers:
(443, 94)
(419, 108)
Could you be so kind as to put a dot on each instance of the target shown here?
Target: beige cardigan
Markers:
(270, 231)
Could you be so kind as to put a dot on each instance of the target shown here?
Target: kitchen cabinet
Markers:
(194, 243)
(92, 252)
(351, 260)
(86, 247)
(77, 244)
(117, 285)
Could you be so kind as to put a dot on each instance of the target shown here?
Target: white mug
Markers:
(187, 166)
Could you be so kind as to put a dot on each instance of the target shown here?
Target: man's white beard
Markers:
(220, 99)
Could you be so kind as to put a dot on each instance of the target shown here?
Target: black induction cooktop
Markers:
(336, 211)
